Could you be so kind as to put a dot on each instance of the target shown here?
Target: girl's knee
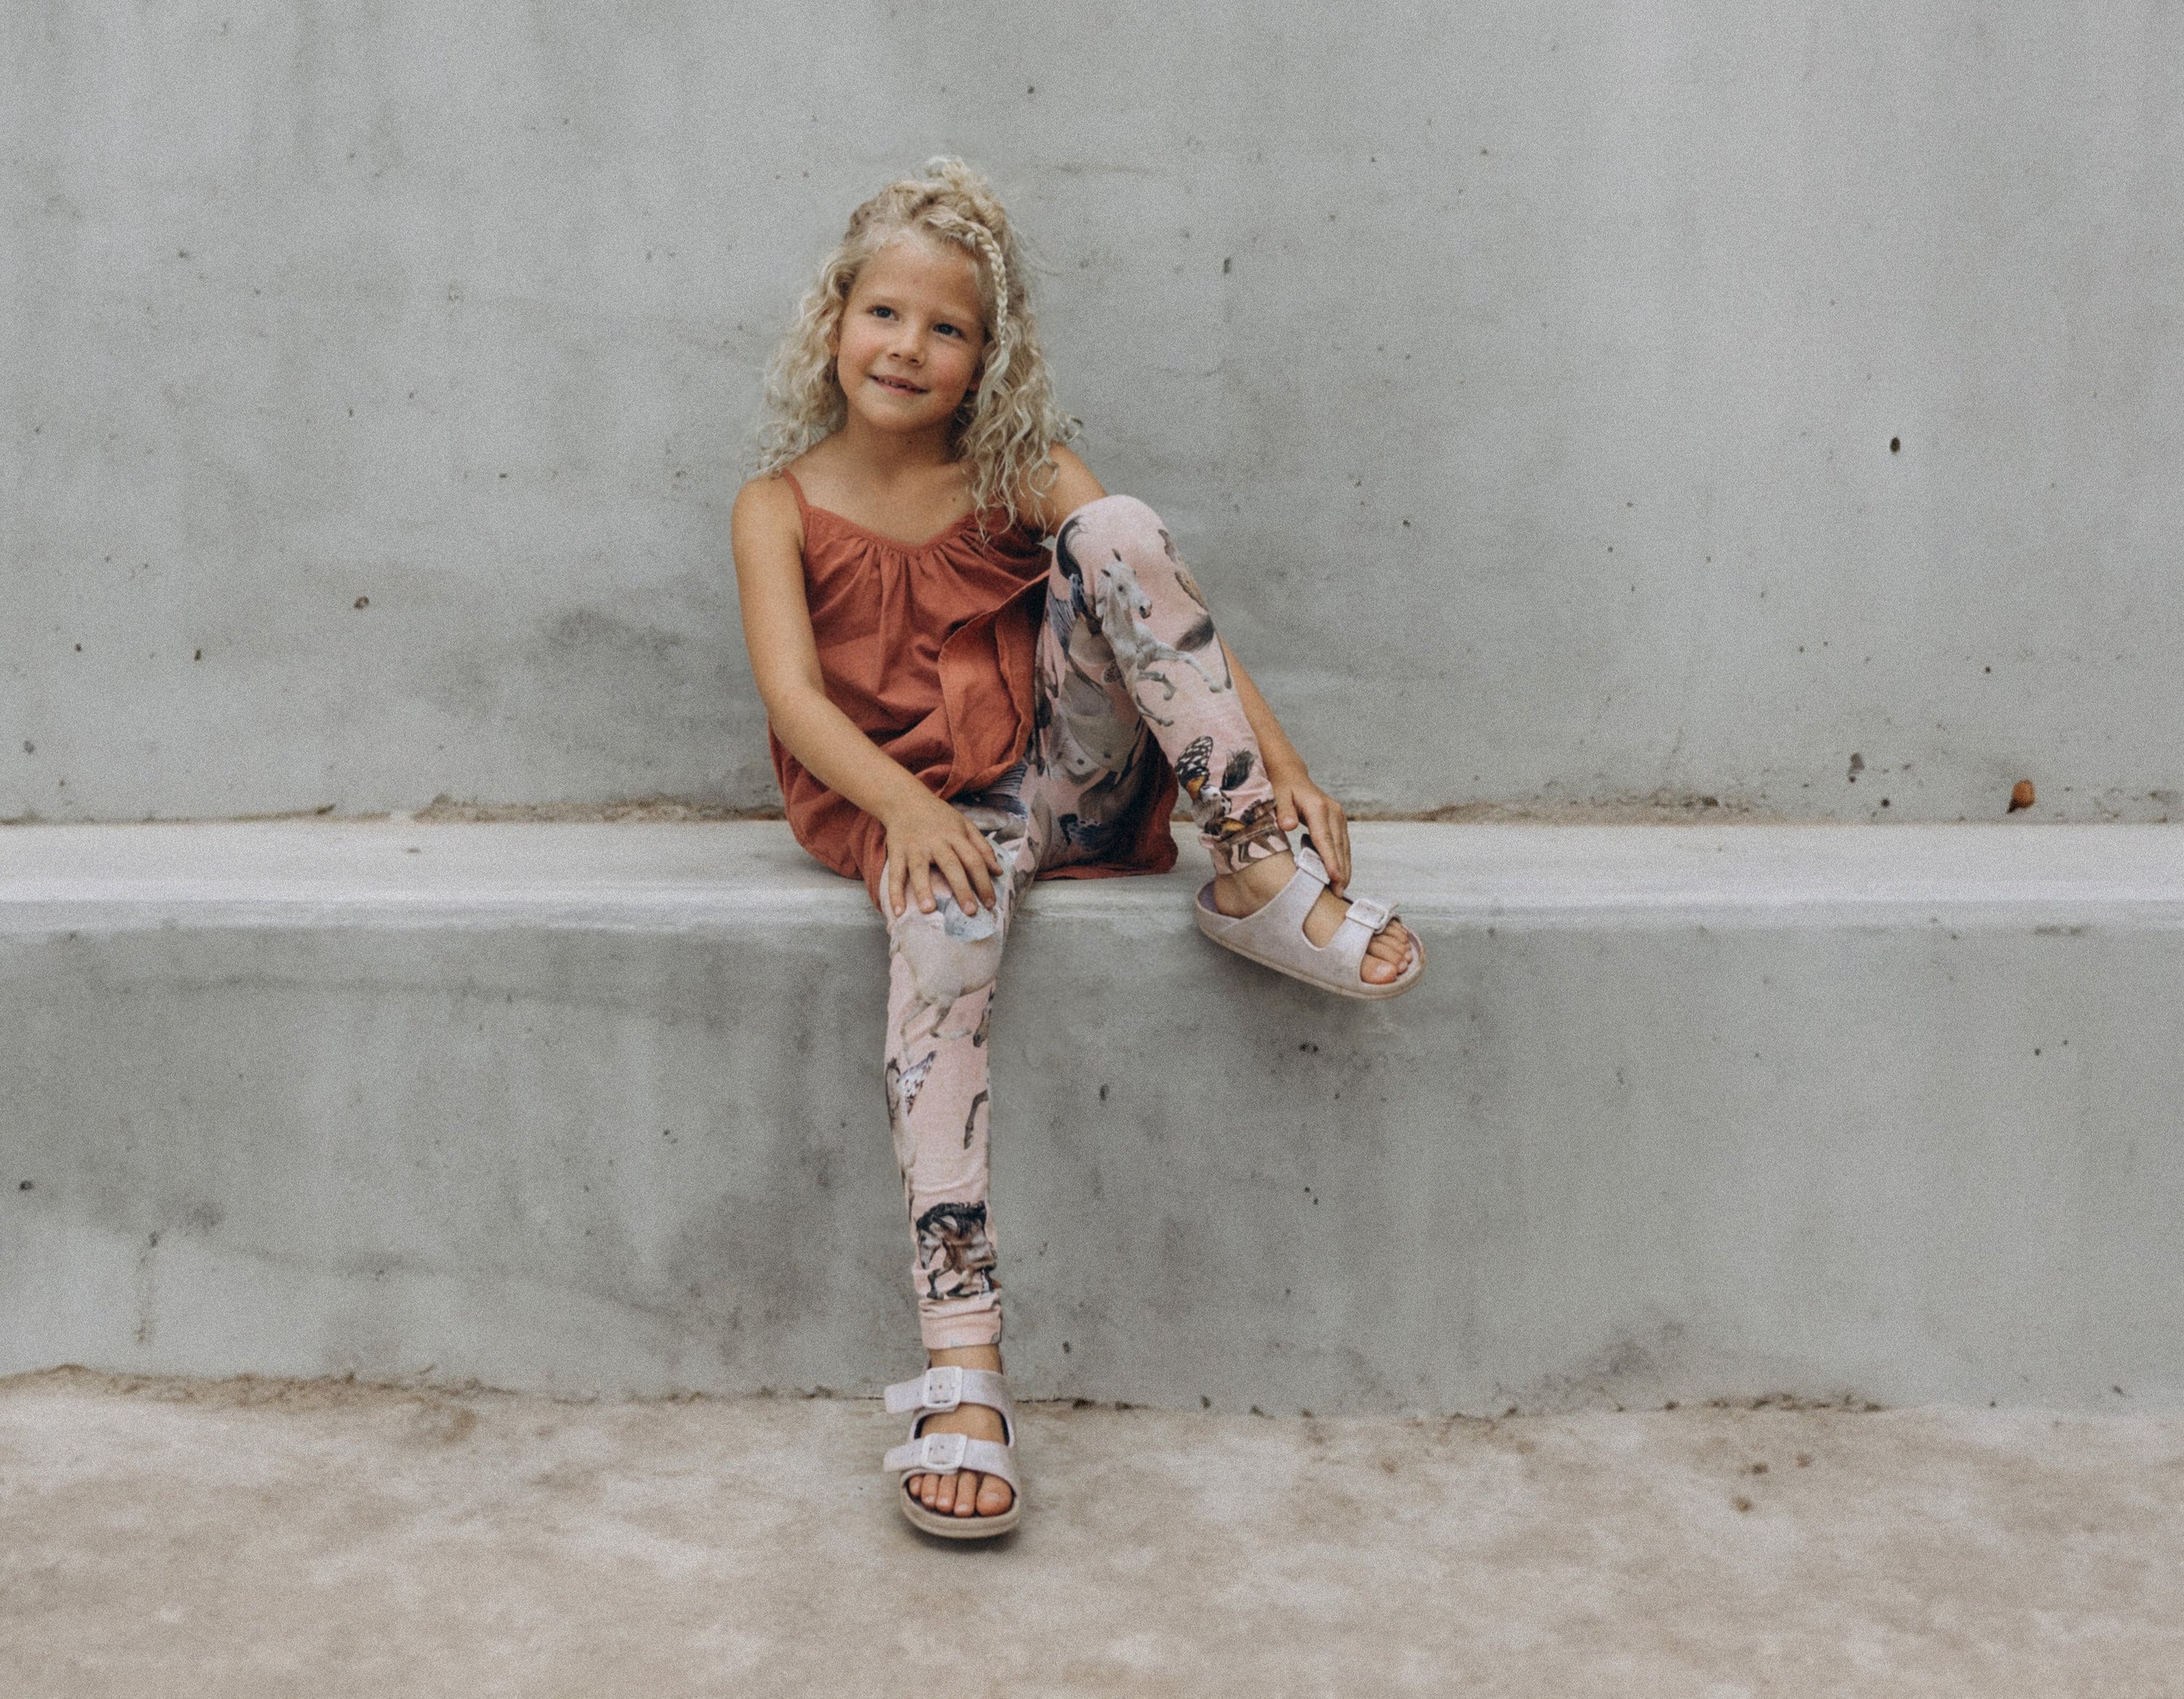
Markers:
(950, 954)
(1116, 524)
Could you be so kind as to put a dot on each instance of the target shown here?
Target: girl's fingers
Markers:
(1331, 833)
(961, 876)
(983, 879)
(980, 862)
(958, 876)
(966, 864)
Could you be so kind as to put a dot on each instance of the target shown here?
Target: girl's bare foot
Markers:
(1259, 882)
(966, 1493)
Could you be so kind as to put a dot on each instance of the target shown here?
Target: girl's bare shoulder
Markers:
(767, 503)
(1071, 487)
(766, 527)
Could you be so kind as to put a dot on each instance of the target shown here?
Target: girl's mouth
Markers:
(897, 385)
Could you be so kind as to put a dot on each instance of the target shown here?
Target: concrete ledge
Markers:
(1681, 1112)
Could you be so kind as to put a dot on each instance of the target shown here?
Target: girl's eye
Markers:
(882, 312)
(950, 329)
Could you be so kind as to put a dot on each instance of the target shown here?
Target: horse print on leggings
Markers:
(955, 1251)
(1118, 610)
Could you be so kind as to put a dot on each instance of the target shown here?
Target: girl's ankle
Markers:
(1253, 885)
(964, 1356)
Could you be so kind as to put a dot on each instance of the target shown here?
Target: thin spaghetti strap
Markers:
(803, 507)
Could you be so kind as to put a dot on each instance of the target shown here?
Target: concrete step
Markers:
(1680, 1112)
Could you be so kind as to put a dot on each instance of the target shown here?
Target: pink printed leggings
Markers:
(1127, 658)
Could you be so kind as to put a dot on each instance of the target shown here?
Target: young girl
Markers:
(958, 708)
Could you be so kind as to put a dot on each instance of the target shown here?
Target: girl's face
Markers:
(912, 332)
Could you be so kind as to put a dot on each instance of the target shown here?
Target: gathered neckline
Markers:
(939, 536)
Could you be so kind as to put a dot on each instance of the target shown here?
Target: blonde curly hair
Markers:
(1009, 421)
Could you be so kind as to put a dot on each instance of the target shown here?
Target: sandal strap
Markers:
(948, 1454)
(1366, 921)
(1285, 913)
(1373, 916)
(1367, 915)
(948, 1385)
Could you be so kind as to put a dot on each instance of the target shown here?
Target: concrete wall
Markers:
(1567, 401)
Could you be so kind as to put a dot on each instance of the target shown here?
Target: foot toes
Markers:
(967, 1495)
(994, 1496)
(962, 1495)
(1387, 956)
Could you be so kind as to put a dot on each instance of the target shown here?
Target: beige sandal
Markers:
(1273, 935)
(947, 1454)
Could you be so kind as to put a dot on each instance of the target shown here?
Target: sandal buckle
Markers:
(942, 1454)
(942, 1389)
(1369, 914)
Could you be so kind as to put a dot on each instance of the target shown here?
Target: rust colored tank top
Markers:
(929, 648)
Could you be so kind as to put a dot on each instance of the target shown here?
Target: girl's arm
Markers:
(924, 833)
(1297, 798)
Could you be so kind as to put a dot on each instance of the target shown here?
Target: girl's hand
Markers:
(925, 833)
(1299, 799)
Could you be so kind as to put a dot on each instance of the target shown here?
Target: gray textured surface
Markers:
(1678, 1112)
(1521, 381)
(243, 1541)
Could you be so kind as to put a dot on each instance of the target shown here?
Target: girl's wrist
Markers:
(908, 801)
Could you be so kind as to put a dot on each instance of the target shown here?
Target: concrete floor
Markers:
(266, 1538)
